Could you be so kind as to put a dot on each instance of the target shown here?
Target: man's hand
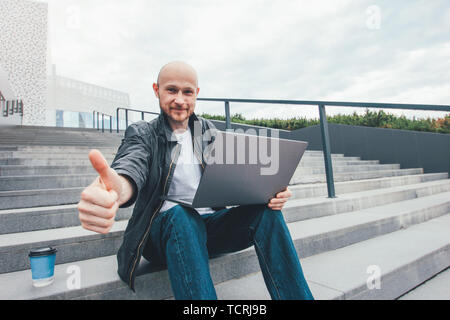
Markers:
(280, 199)
(100, 200)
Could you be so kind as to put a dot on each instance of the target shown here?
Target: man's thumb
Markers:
(109, 177)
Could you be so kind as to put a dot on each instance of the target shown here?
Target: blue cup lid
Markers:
(42, 252)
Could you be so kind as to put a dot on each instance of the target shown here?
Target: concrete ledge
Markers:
(343, 273)
(44, 218)
(75, 160)
(351, 176)
(435, 288)
(50, 217)
(75, 243)
(340, 273)
(39, 198)
(46, 181)
(302, 209)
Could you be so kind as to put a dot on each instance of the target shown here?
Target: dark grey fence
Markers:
(324, 130)
(324, 135)
(411, 149)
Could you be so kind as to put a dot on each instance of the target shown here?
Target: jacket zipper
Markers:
(151, 220)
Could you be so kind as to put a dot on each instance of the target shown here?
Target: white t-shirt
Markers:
(187, 174)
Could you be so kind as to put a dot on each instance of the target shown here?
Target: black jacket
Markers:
(147, 157)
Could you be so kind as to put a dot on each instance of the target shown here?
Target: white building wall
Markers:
(23, 52)
(26, 71)
(73, 95)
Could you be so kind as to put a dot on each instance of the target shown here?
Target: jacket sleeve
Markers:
(133, 158)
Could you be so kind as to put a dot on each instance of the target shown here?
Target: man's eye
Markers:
(171, 90)
(189, 92)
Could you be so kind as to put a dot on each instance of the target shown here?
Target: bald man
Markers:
(164, 157)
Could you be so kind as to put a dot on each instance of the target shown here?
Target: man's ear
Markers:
(198, 90)
(156, 89)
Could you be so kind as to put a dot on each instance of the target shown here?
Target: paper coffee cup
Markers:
(42, 262)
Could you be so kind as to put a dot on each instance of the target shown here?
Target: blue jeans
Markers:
(184, 240)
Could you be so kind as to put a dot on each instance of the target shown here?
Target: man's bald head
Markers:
(177, 68)
(177, 90)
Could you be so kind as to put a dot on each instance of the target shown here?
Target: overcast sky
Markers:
(336, 50)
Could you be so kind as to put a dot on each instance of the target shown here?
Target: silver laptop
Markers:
(244, 169)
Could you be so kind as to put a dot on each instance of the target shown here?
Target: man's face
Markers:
(177, 92)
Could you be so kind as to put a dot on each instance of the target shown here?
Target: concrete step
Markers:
(47, 155)
(76, 243)
(337, 161)
(39, 148)
(39, 198)
(335, 251)
(46, 181)
(308, 208)
(20, 170)
(56, 161)
(40, 140)
(82, 159)
(33, 129)
(44, 218)
(77, 176)
(55, 150)
(83, 152)
(320, 189)
(60, 216)
(345, 168)
(436, 288)
(381, 268)
(73, 243)
(51, 132)
(93, 143)
(84, 166)
(319, 153)
(47, 197)
(349, 176)
(8, 148)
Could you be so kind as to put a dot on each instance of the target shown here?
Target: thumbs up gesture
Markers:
(100, 200)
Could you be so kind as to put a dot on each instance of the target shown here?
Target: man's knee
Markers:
(177, 213)
(182, 218)
(269, 218)
(263, 214)
(266, 212)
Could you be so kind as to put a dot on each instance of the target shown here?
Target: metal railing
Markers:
(132, 110)
(10, 107)
(323, 121)
(322, 114)
(103, 120)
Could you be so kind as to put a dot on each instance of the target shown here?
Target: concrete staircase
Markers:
(386, 221)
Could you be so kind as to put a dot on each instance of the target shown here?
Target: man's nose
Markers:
(179, 99)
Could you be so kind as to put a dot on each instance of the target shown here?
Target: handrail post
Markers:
(98, 121)
(327, 151)
(227, 115)
(117, 119)
(142, 115)
(93, 119)
(110, 124)
(6, 112)
(126, 119)
(103, 122)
